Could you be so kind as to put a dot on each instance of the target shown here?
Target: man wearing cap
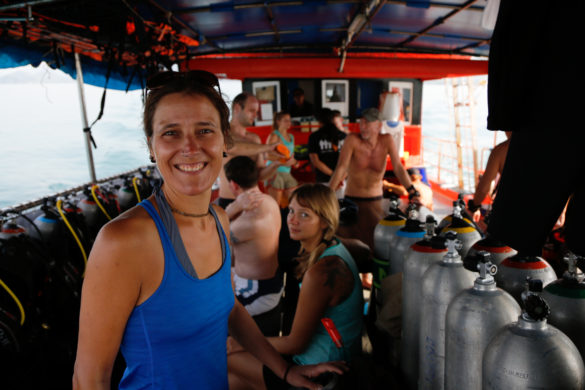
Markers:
(363, 158)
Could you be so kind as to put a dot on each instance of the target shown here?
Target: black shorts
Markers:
(542, 170)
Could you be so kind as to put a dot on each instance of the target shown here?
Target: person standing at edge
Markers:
(157, 283)
(544, 146)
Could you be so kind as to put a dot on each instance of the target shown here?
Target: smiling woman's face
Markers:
(187, 142)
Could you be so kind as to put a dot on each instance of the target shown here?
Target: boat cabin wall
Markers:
(350, 96)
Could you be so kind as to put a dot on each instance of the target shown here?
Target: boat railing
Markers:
(38, 202)
(440, 157)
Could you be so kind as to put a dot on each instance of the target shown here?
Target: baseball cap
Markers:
(371, 114)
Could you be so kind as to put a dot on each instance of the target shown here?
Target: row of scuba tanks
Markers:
(43, 254)
(462, 323)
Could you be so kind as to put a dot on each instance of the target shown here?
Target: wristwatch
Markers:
(412, 192)
(472, 206)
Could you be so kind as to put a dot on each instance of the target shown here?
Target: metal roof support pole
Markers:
(84, 119)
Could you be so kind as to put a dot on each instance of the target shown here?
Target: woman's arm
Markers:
(245, 331)
(110, 292)
(325, 284)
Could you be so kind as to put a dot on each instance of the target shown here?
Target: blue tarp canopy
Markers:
(132, 38)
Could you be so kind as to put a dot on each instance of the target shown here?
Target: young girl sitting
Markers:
(330, 288)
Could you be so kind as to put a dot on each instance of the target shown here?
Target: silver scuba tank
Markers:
(465, 229)
(513, 271)
(566, 298)
(460, 204)
(405, 237)
(417, 260)
(532, 354)
(126, 195)
(498, 250)
(90, 211)
(474, 316)
(384, 235)
(440, 283)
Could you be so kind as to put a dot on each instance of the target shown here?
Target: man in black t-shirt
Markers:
(324, 146)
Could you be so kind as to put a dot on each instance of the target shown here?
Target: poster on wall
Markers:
(335, 95)
(268, 95)
(405, 89)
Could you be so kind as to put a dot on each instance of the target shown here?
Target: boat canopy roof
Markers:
(125, 40)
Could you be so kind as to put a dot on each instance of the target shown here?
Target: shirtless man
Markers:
(244, 110)
(363, 158)
(254, 226)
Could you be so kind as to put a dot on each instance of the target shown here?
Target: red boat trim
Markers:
(327, 67)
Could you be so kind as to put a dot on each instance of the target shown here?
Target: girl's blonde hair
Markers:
(322, 201)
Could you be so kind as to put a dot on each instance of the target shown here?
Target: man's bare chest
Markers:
(369, 158)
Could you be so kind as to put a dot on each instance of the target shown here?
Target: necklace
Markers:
(189, 214)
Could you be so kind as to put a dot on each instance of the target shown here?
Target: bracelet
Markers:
(286, 372)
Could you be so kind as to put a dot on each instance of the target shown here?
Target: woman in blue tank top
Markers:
(158, 284)
(330, 289)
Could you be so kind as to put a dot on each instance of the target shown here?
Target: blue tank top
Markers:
(347, 317)
(176, 339)
(290, 145)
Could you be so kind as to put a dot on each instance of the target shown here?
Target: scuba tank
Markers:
(514, 270)
(497, 250)
(39, 308)
(460, 204)
(96, 209)
(57, 236)
(466, 230)
(474, 316)
(24, 284)
(91, 212)
(405, 237)
(566, 297)
(384, 235)
(440, 283)
(531, 354)
(417, 260)
(126, 195)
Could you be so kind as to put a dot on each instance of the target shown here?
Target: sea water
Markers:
(43, 147)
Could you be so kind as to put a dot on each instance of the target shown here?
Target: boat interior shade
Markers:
(125, 40)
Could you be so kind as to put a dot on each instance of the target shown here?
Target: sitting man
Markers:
(254, 229)
(425, 192)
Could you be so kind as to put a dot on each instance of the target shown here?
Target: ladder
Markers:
(460, 91)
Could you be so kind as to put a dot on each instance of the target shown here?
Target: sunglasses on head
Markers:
(161, 79)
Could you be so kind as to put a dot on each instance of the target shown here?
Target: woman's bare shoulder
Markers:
(132, 234)
(327, 270)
